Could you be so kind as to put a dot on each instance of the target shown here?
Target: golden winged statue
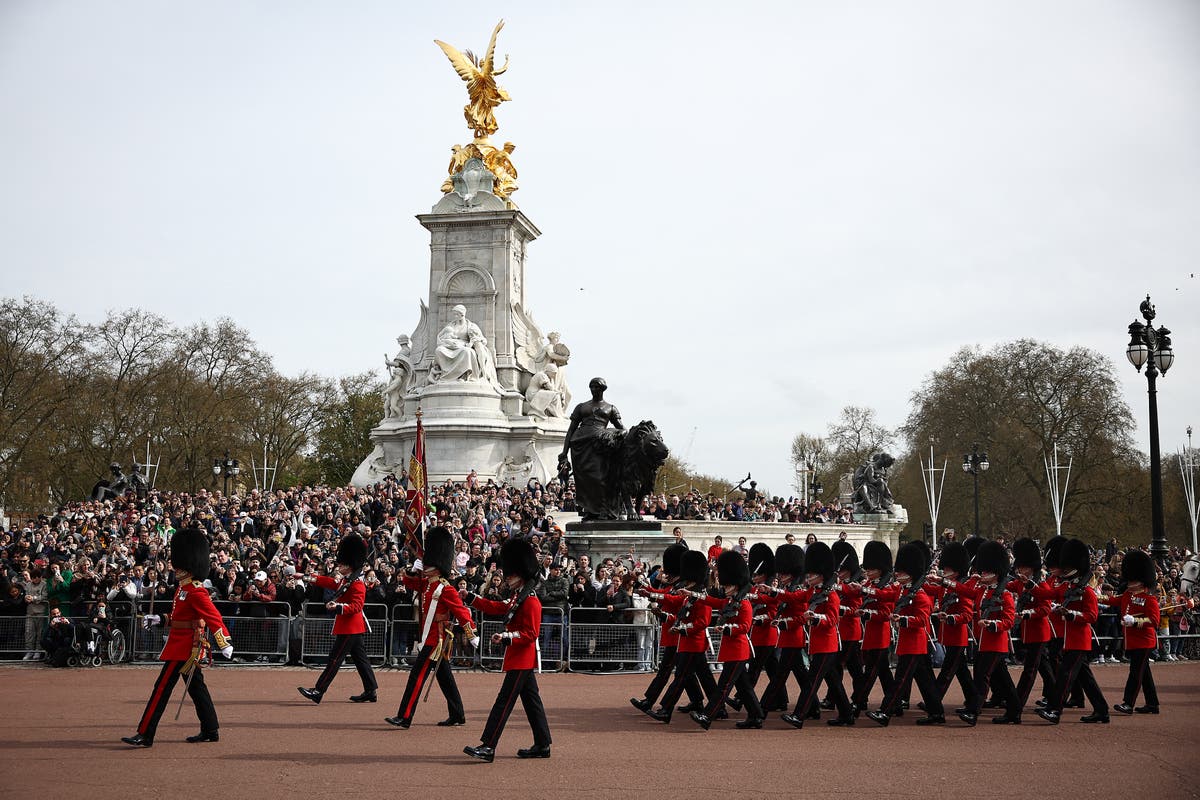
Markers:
(482, 91)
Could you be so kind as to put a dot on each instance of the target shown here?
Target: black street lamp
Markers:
(974, 463)
(816, 487)
(1152, 349)
(228, 467)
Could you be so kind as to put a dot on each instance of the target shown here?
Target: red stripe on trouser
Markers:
(335, 663)
(412, 701)
(163, 679)
(518, 685)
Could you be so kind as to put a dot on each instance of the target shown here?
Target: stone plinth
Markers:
(617, 538)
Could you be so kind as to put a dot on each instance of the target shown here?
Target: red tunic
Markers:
(763, 633)
(735, 646)
(996, 604)
(350, 618)
(823, 629)
(954, 629)
(449, 604)
(913, 623)
(1035, 626)
(695, 638)
(191, 603)
(878, 603)
(1079, 630)
(850, 625)
(1144, 608)
(789, 615)
(525, 626)
(666, 636)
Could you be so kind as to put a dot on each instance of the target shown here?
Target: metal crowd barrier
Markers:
(317, 634)
(260, 640)
(609, 647)
(12, 636)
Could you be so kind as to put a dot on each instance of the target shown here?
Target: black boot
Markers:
(750, 722)
(537, 751)
(139, 740)
(204, 736)
(793, 720)
(700, 719)
(1053, 717)
(1123, 708)
(311, 694)
(932, 719)
(642, 705)
(482, 753)
(368, 696)
(967, 717)
(1146, 709)
(1096, 716)
(452, 722)
(661, 715)
(398, 721)
(879, 717)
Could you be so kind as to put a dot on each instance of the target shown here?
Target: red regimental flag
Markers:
(414, 513)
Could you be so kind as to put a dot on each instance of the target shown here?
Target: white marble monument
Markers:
(490, 387)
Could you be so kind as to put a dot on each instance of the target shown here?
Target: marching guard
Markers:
(850, 627)
(996, 614)
(879, 595)
(440, 608)
(823, 645)
(789, 620)
(911, 615)
(1077, 606)
(668, 637)
(348, 628)
(1033, 611)
(191, 617)
(764, 636)
(1140, 616)
(955, 599)
(691, 624)
(522, 626)
(734, 614)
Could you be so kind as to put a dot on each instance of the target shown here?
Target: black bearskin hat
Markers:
(1077, 556)
(693, 567)
(925, 548)
(762, 560)
(877, 555)
(1138, 566)
(993, 558)
(671, 556)
(1052, 552)
(1026, 553)
(732, 569)
(352, 551)
(910, 559)
(789, 560)
(439, 550)
(845, 556)
(189, 552)
(818, 559)
(517, 558)
(955, 556)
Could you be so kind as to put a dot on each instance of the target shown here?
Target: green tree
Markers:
(343, 432)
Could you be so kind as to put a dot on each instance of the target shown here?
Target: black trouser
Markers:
(167, 678)
(1140, 677)
(733, 673)
(955, 666)
(909, 668)
(663, 676)
(822, 670)
(764, 660)
(1054, 654)
(416, 681)
(875, 665)
(852, 662)
(1034, 663)
(689, 666)
(348, 644)
(1074, 667)
(517, 683)
(791, 662)
(991, 669)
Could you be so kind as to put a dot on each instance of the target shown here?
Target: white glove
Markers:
(418, 565)
(1073, 614)
(1027, 613)
(151, 621)
(1128, 620)
(473, 641)
(1056, 607)
(227, 651)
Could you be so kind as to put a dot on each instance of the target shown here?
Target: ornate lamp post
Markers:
(226, 467)
(974, 463)
(1152, 349)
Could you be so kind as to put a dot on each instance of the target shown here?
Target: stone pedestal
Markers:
(477, 261)
(614, 539)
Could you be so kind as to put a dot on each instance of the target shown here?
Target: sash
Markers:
(432, 612)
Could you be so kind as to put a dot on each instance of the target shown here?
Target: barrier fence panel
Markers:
(608, 647)
(404, 633)
(317, 634)
(260, 640)
(20, 636)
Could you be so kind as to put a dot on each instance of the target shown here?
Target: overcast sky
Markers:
(753, 213)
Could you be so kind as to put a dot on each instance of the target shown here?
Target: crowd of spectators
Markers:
(93, 560)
